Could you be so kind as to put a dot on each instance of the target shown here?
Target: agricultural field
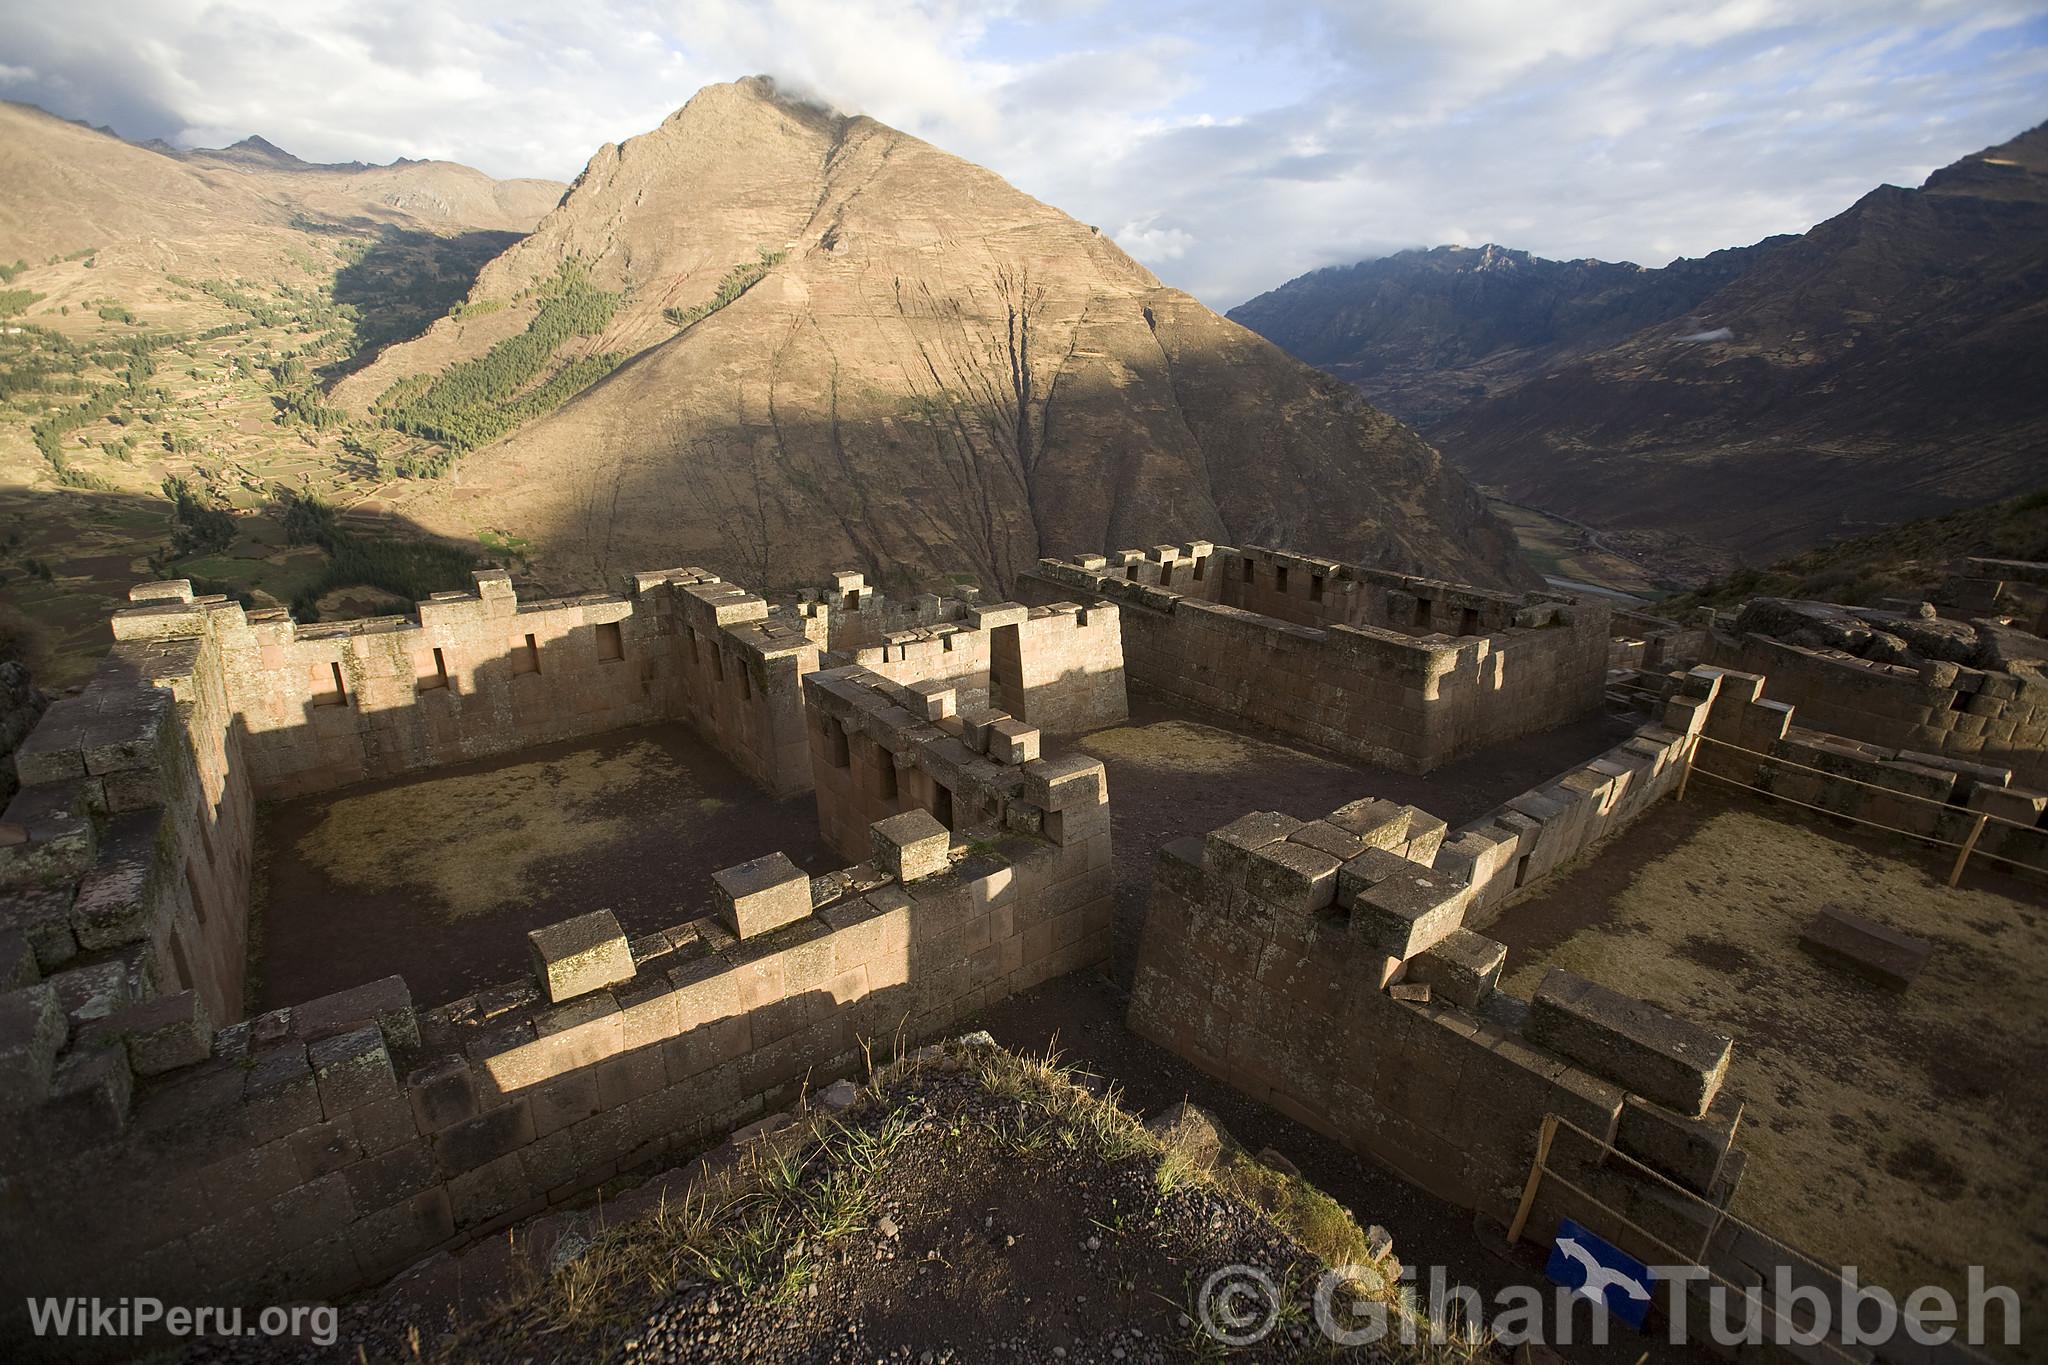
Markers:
(175, 426)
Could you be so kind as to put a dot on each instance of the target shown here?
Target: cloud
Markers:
(1152, 244)
(1239, 145)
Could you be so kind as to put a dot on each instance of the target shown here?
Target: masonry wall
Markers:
(480, 673)
(1385, 695)
(125, 856)
(734, 670)
(1939, 708)
(1269, 949)
(1058, 666)
(315, 1149)
(879, 749)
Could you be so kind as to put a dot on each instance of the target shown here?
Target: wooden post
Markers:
(1969, 846)
(1522, 1210)
(1692, 752)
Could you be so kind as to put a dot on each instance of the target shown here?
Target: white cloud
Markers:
(1152, 244)
(1239, 145)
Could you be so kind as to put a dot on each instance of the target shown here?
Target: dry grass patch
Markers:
(1191, 747)
(475, 841)
(1900, 1133)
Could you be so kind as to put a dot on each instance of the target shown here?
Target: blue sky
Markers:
(1230, 146)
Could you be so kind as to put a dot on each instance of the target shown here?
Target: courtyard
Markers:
(1899, 1132)
(438, 877)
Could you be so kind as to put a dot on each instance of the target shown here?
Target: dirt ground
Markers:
(439, 877)
(1081, 1017)
(1172, 775)
(1902, 1133)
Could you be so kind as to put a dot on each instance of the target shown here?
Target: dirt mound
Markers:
(967, 1205)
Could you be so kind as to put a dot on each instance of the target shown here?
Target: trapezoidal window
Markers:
(1468, 621)
(433, 672)
(1247, 571)
(1201, 565)
(853, 600)
(1315, 587)
(942, 805)
(1131, 570)
(1280, 578)
(836, 752)
(885, 774)
(1165, 575)
(328, 687)
(717, 664)
(611, 642)
(526, 656)
(1422, 611)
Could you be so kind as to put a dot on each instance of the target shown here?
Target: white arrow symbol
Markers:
(1598, 1276)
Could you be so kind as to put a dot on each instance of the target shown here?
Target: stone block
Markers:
(32, 1032)
(1871, 950)
(1291, 876)
(90, 1091)
(351, 1069)
(386, 1002)
(590, 952)
(488, 1137)
(442, 1093)
(165, 1033)
(17, 961)
(1462, 969)
(1339, 843)
(933, 700)
(1227, 852)
(975, 723)
(1409, 912)
(1690, 1150)
(1672, 1061)
(1065, 782)
(112, 907)
(762, 895)
(1001, 614)
(1013, 742)
(1368, 870)
(42, 916)
(910, 846)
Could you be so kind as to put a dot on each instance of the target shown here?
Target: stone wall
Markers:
(1321, 967)
(1996, 718)
(125, 856)
(315, 1149)
(879, 749)
(1384, 694)
(481, 673)
(1059, 667)
(21, 706)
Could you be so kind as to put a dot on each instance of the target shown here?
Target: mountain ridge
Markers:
(1772, 396)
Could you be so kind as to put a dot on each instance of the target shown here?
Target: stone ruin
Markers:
(1924, 688)
(154, 1140)
(1400, 671)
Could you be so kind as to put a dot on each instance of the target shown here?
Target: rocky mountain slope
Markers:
(827, 343)
(431, 191)
(1883, 365)
(75, 189)
(1426, 333)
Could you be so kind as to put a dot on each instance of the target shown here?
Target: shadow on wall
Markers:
(313, 1150)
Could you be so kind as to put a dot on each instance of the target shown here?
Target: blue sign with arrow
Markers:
(1600, 1271)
